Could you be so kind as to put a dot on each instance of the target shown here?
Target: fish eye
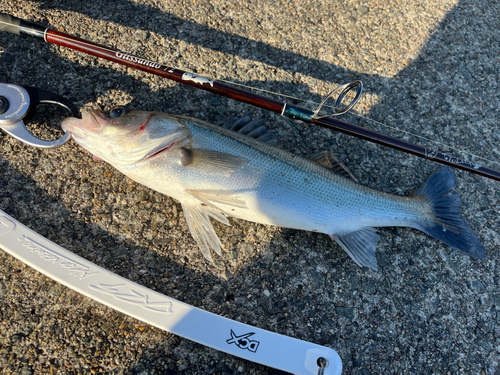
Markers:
(118, 111)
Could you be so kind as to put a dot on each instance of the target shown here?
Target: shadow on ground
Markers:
(428, 306)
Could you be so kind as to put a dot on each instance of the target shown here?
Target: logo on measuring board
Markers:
(243, 342)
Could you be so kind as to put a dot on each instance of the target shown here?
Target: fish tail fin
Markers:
(445, 223)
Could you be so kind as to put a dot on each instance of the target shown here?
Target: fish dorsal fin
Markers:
(210, 162)
(360, 245)
(253, 128)
(328, 160)
(198, 217)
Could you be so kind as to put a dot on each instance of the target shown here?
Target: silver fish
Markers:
(215, 172)
(197, 79)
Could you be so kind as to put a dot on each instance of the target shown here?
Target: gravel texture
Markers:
(429, 67)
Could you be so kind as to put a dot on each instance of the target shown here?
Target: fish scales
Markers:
(215, 173)
(279, 188)
(302, 186)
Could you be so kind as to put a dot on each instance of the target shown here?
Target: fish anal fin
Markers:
(198, 221)
(360, 245)
(328, 160)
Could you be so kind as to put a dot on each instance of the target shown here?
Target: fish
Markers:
(197, 79)
(238, 170)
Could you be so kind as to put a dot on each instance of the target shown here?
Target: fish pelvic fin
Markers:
(209, 197)
(197, 218)
(360, 245)
(446, 224)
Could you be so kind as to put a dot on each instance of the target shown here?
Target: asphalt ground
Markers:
(429, 68)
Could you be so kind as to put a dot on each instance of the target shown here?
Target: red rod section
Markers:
(248, 97)
(21, 27)
(178, 75)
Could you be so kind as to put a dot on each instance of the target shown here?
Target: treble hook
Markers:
(344, 90)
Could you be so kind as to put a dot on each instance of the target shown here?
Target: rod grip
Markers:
(9, 23)
(18, 26)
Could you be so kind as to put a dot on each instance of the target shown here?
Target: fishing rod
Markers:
(26, 28)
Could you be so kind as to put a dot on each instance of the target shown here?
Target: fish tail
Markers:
(445, 222)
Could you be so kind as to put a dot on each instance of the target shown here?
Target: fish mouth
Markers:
(99, 119)
(162, 150)
(166, 144)
(90, 123)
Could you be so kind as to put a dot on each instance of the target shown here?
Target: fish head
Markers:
(124, 137)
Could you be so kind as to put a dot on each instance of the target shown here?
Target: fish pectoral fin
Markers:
(197, 218)
(211, 162)
(360, 245)
(225, 197)
(328, 160)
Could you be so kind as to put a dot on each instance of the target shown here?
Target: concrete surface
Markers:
(429, 67)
